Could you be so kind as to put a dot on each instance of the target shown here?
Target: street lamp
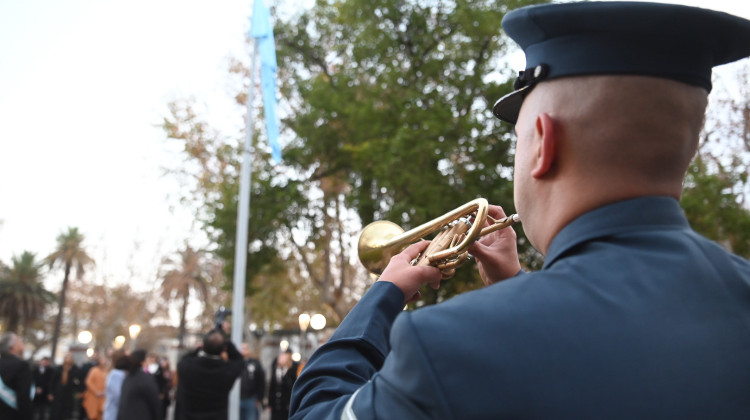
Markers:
(304, 321)
(318, 322)
(119, 342)
(85, 337)
(134, 330)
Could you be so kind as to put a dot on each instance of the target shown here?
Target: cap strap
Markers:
(531, 76)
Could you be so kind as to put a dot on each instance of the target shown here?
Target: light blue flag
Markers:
(260, 28)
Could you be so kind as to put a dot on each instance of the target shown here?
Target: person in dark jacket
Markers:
(43, 376)
(252, 386)
(283, 375)
(164, 379)
(15, 380)
(139, 398)
(204, 378)
(68, 384)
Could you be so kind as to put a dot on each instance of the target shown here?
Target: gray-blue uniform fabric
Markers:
(633, 315)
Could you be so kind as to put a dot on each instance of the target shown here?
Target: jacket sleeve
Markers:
(407, 386)
(349, 362)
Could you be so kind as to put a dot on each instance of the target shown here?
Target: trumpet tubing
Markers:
(458, 229)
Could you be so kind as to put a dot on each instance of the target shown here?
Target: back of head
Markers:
(7, 342)
(135, 360)
(120, 360)
(643, 130)
(214, 342)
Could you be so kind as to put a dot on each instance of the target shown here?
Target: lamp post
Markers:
(134, 330)
(304, 321)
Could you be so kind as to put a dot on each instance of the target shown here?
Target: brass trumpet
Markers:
(459, 228)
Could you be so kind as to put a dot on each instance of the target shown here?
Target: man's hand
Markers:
(496, 253)
(410, 278)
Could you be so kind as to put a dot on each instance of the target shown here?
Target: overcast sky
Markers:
(82, 85)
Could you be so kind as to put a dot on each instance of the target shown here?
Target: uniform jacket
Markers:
(16, 375)
(633, 315)
(204, 383)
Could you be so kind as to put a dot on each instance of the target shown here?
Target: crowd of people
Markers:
(138, 385)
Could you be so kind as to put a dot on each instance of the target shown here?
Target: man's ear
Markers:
(546, 145)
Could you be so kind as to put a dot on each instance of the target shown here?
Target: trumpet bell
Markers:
(373, 246)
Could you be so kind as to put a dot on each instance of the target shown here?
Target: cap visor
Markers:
(507, 107)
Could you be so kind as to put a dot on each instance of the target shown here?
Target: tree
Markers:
(716, 187)
(397, 110)
(388, 118)
(108, 311)
(23, 297)
(191, 273)
(69, 254)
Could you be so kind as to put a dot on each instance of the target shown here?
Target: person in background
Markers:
(15, 380)
(43, 381)
(139, 399)
(67, 385)
(115, 377)
(164, 380)
(204, 379)
(633, 315)
(283, 376)
(96, 383)
(92, 361)
(252, 386)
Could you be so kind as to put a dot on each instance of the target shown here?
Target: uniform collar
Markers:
(624, 216)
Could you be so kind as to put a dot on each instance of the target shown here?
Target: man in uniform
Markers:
(633, 314)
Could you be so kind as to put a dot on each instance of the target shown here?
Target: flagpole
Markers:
(241, 244)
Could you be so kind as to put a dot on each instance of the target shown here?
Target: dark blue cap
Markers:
(620, 38)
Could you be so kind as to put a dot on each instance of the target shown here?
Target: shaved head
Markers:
(603, 139)
(639, 126)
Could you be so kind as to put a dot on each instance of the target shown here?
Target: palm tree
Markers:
(22, 296)
(190, 272)
(69, 253)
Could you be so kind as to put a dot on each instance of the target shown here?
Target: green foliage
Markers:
(716, 187)
(23, 297)
(212, 167)
(393, 98)
(712, 205)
